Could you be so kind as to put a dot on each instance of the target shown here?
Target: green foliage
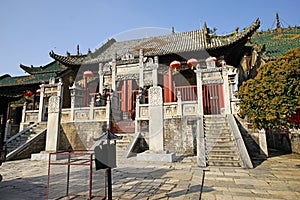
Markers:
(273, 96)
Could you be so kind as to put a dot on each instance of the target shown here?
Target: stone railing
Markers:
(171, 110)
(31, 116)
(142, 112)
(85, 114)
(190, 108)
(76, 114)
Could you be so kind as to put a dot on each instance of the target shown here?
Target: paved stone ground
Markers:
(276, 178)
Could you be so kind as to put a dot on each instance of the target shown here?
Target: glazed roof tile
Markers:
(52, 67)
(272, 44)
(7, 80)
(162, 45)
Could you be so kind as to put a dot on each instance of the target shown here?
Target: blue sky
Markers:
(30, 29)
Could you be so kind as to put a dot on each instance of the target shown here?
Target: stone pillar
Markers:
(262, 139)
(226, 90)
(92, 103)
(156, 129)
(137, 113)
(53, 125)
(201, 157)
(108, 111)
(101, 76)
(73, 96)
(199, 89)
(156, 119)
(42, 103)
(141, 69)
(23, 117)
(179, 104)
(154, 72)
(113, 73)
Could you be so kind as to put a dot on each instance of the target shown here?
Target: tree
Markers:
(273, 96)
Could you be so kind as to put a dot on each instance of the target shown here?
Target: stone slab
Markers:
(45, 156)
(153, 156)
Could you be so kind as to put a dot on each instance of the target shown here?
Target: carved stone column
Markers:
(199, 89)
(226, 90)
(113, 73)
(53, 125)
(154, 72)
(101, 76)
(156, 119)
(23, 116)
(42, 103)
(73, 96)
(156, 129)
(141, 69)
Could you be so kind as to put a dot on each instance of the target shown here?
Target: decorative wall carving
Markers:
(127, 56)
(54, 104)
(190, 109)
(213, 81)
(149, 67)
(82, 115)
(144, 112)
(128, 77)
(155, 96)
(211, 70)
(170, 110)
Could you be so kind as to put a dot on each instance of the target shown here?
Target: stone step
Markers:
(215, 120)
(224, 163)
(122, 144)
(215, 123)
(221, 152)
(210, 143)
(223, 157)
(220, 147)
(218, 138)
(218, 133)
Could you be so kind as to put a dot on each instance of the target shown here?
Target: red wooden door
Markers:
(213, 99)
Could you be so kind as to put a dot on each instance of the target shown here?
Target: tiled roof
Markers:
(54, 66)
(162, 45)
(7, 80)
(272, 44)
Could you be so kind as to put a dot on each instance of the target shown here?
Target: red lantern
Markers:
(88, 73)
(175, 64)
(38, 91)
(28, 94)
(192, 63)
(210, 58)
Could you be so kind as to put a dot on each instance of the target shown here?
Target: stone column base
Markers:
(162, 156)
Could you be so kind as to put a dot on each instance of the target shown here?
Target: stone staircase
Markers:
(123, 144)
(220, 146)
(20, 145)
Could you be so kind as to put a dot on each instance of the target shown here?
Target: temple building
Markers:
(167, 95)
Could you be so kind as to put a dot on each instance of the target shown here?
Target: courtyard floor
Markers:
(278, 177)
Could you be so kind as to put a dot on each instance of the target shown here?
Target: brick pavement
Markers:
(276, 178)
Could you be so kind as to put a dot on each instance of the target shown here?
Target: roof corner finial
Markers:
(78, 49)
(278, 26)
(173, 30)
(205, 28)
